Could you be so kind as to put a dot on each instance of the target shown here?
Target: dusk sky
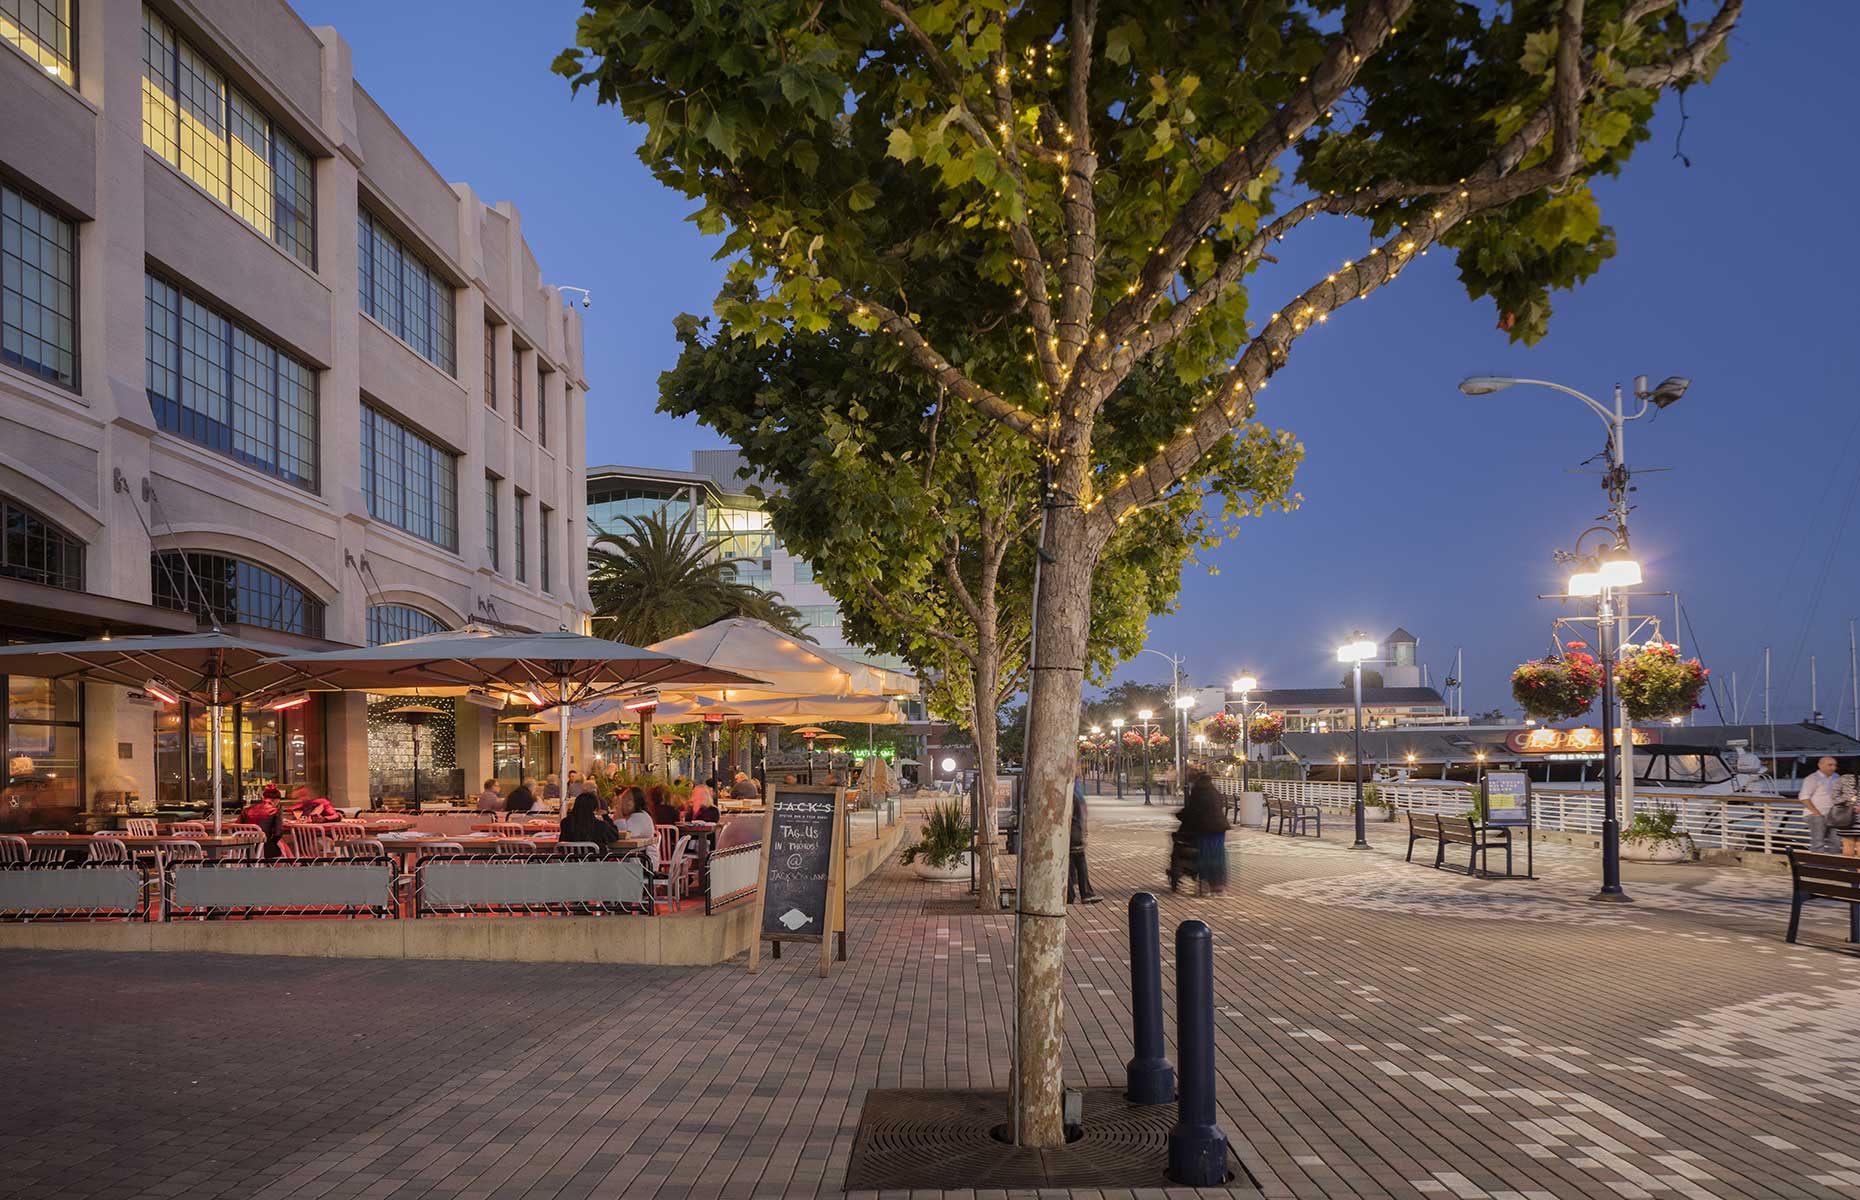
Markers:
(1423, 508)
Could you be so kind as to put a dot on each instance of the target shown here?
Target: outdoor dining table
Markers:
(211, 845)
(370, 825)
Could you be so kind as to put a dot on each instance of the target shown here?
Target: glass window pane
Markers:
(38, 316)
(29, 698)
(203, 122)
(231, 589)
(34, 549)
(408, 481)
(42, 29)
(41, 776)
(250, 151)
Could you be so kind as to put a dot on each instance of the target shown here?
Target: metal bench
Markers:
(1293, 816)
(1479, 840)
(1824, 877)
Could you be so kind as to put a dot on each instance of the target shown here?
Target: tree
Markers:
(1105, 188)
(655, 579)
(1371, 679)
(919, 515)
(1491, 716)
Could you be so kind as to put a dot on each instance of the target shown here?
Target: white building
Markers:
(258, 359)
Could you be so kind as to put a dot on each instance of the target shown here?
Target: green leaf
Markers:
(862, 196)
(900, 145)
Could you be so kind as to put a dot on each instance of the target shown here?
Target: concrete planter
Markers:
(1647, 850)
(955, 872)
(1373, 813)
(1253, 809)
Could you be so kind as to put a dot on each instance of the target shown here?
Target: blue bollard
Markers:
(1197, 1147)
(1149, 1079)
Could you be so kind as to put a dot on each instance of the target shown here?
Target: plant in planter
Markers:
(1656, 837)
(1375, 807)
(942, 852)
(1655, 682)
(1477, 811)
(1558, 686)
(1266, 728)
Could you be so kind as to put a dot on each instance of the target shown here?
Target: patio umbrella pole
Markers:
(213, 754)
(561, 710)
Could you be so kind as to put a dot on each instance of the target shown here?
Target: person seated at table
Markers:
(584, 824)
(706, 811)
(659, 806)
(574, 785)
(312, 808)
(552, 790)
(701, 798)
(744, 788)
(265, 813)
(637, 823)
(788, 779)
(521, 798)
(488, 799)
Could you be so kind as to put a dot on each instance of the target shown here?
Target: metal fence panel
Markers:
(735, 872)
(455, 883)
(94, 890)
(311, 885)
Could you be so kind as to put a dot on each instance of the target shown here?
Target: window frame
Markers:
(376, 618)
(490, 366)
(391, 495)
(518, 540)
(543, 515)
(53, 532)
(68, 61)
(492, 544)
(29, 195)
(312, 608)
(376, 293)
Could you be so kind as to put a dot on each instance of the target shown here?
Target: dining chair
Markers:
(183, 828)
(513, 845)
(310, 841)
(182, 850)
(49, 854)
(670, 881)
(139, 826)
(361, 848)
(105, 849)
(668, 842)
(248, 845)
(14, 852)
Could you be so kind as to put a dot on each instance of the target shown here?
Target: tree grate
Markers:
(912, 1138)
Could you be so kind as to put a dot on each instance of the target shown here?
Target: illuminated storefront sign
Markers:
(1583, 740)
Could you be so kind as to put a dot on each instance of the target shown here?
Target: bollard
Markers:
(1149, 1079)
(1197, 1147)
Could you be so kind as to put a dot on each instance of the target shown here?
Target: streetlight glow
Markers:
(1585, 583)
(1144, 714)
(1185, 702)
(1356, 651)
(1245, 684)
(1117, 722)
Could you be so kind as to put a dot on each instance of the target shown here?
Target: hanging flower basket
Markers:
(1159, 738)
(1223, 729)
(1656, 683)
(1133, 739)
(1557, 687)
(1266, 728)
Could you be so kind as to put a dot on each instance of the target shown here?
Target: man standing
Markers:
(1078, 882)
(1818, 796)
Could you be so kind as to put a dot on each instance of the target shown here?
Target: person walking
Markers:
(1203, 822)
(1078, 880)
(1820, 792)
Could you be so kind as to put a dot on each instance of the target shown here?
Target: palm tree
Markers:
(656, 579)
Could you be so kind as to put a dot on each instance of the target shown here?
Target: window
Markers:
(218, 384)
(38, 551)
(398, 622)
(227, 589)
(490, 518)
(490, 366)
(41, 751)
(516, 382)
(803, 571)
(42, 28)
(542, 407)
(819, 616)
(545, 516)
(410, 483)
(523, 505)
(38, 277)
(219, 138)
(409, 297)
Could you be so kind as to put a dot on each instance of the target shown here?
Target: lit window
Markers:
(227, 589)
(410, 298)
(398, 622)
(409, 482)
(41, 28)
(38, 271)
(224, 387)
(37, 551)
(223, 141)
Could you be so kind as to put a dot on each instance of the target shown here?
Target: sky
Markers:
(1422, 508)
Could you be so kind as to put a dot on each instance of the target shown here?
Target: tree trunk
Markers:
(986, 704)
(1064, 601)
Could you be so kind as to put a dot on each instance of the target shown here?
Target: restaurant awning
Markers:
(787, 710)
(786, 666)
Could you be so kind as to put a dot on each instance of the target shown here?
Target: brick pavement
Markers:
(1383, 1029)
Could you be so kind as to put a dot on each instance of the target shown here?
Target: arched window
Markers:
(398, 622)
(38, 551)
(232, 590)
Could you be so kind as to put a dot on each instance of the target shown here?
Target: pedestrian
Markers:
(1078, 881)
(1819, 794)
(1203, 821)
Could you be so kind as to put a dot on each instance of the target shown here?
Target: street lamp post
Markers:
(1355, 652)
(1117, 735)
(1604, 573)
(1144, 715)
(1182, 705)
(1244, 685)
(1098, 755)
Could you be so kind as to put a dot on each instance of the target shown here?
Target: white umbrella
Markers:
(786, 666)
(212, 667)
(568, 667)
(788, 710)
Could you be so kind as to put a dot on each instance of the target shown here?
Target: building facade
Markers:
(260, 363)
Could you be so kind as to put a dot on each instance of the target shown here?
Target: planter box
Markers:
(1372, 813)
(1649, 851)
(956, 872)
(1253, 809)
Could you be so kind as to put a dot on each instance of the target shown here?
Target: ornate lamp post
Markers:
(1358, 650)
(1144, 715)
(1117, 735)
(1244, 685)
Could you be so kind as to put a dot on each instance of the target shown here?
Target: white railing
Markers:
(1759, 824)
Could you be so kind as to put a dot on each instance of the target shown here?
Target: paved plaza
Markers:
(1383, 1030)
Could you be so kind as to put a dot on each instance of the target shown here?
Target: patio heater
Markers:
(523, 725)
(645, 710)
(416, 716)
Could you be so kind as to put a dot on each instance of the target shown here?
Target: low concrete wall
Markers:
(690, 940)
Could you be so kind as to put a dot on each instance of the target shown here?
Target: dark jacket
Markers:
(597, 828)
(706, 813)
(521, 799)
(1076, 834)
(1205, 811)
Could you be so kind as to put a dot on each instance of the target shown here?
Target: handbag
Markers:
(1841, 815)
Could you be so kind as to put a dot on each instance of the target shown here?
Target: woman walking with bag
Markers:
(1203, 823)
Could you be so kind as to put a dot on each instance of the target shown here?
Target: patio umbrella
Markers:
(570, 667)
(212, 667)
(786, 665)
(781, 710)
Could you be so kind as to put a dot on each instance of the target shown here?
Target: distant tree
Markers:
(1371, 679)
(654, 579)
(1491, 716)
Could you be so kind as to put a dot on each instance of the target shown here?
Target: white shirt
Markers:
(1821, 791)
(639, 825)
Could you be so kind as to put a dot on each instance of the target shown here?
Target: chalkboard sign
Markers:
(801, 898)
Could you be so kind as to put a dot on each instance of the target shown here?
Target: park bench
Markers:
(1443, 831)
(1293, 816)
(1824, 877)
